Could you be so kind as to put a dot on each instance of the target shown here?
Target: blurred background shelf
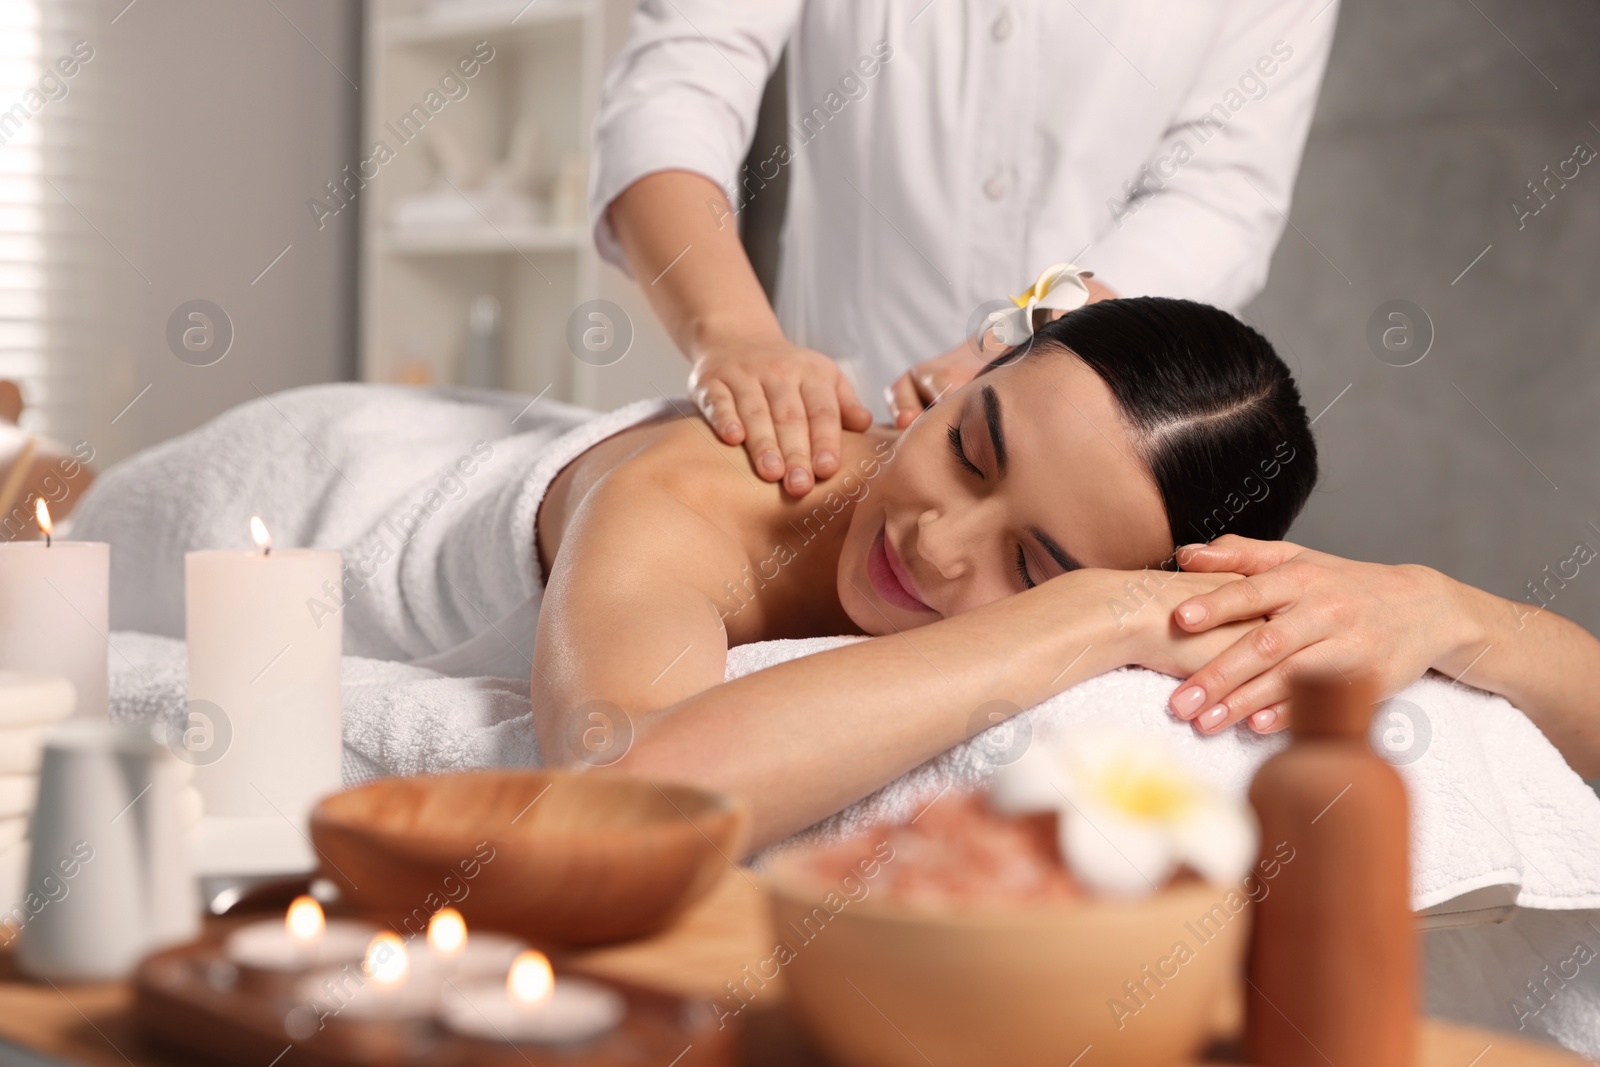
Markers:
(484, 241)
(465, 21)
(437, 295)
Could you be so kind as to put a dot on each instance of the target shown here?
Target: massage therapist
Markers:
(940, 155)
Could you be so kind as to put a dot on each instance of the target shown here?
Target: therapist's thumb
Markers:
(852, 413)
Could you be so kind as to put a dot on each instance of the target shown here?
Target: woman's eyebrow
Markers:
(1057, 553)
(997, 437)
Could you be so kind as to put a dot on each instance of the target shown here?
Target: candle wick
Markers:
(47, 539)
(267, 551)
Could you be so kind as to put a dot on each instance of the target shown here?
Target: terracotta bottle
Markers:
(1332, 963)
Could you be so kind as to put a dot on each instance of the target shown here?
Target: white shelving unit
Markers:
(417, 284)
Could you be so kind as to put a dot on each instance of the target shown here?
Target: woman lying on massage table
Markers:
(986, 550)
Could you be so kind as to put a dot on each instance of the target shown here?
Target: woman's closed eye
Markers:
(954, 436)
(1022, 569)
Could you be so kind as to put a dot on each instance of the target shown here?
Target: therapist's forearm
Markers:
(682, 241)
(1546, 665)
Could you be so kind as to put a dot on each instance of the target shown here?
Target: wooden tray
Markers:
(188, 1001)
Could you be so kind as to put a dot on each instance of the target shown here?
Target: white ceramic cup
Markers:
(108, 873)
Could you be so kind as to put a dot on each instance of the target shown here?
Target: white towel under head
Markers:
(1492, 801)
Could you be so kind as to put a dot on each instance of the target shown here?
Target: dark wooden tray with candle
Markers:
(190, 1000)
(524, 858)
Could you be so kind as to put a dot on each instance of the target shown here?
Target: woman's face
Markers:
(1025, 473)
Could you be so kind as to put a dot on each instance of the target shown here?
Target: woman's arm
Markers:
(805, 738)
(1396, 622)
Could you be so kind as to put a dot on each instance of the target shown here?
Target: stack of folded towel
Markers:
(30, 706)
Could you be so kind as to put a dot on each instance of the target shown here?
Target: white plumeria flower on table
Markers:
(1130, 811)
(1060, 287)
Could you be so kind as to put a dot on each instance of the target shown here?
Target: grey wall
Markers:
(1431, 123)
(222, 119)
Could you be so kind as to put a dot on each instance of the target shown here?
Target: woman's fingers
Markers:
(761, 440)
(1269, 693)
(823, 416)
(715, 402)
(904, 403)
(1251, 597)
(1258, 652)
(1271, 720)
(1243, 555)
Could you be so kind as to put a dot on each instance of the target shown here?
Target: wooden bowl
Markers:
(578, 859)
(878, 984)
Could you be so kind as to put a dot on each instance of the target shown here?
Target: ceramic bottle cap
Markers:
(1331, 706)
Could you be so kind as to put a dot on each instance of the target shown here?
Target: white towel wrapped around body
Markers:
(430, 495)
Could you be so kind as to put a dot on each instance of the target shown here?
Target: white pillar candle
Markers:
(263, 727)
(55, 612)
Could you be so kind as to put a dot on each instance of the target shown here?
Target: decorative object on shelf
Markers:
(483, 366)
(34, 467)
(569, 195)
(263, 725)
(553, 856)
(108, 873)
(54, 611)
(1333, 955)
(470, 197)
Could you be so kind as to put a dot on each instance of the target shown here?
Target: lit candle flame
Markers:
(305, 921)
(447, 932)
(258, 530)
(386, 962)
(530, 980)
(41, 512)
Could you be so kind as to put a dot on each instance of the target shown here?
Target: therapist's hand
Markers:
(784, 403)
(927, 381)
(1324, 614)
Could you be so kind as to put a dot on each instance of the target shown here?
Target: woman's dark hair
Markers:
(1218, 419)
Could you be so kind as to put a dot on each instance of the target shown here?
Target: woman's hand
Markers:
(1323, 613)
(1140, 604)
(784, 403)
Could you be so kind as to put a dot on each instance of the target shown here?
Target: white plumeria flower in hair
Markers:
(1130, 812)
(1060, 287)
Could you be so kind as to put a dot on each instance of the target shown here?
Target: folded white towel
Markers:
(398, 719)
(16, 794)
(28, 699)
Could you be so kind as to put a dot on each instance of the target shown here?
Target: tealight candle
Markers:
(453, 954)
(302, 941)
(389, 992)
(532, 1005)
(55, 611)
(264, 701)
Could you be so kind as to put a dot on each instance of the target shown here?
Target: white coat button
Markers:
(1002, 26)
(994, 188)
